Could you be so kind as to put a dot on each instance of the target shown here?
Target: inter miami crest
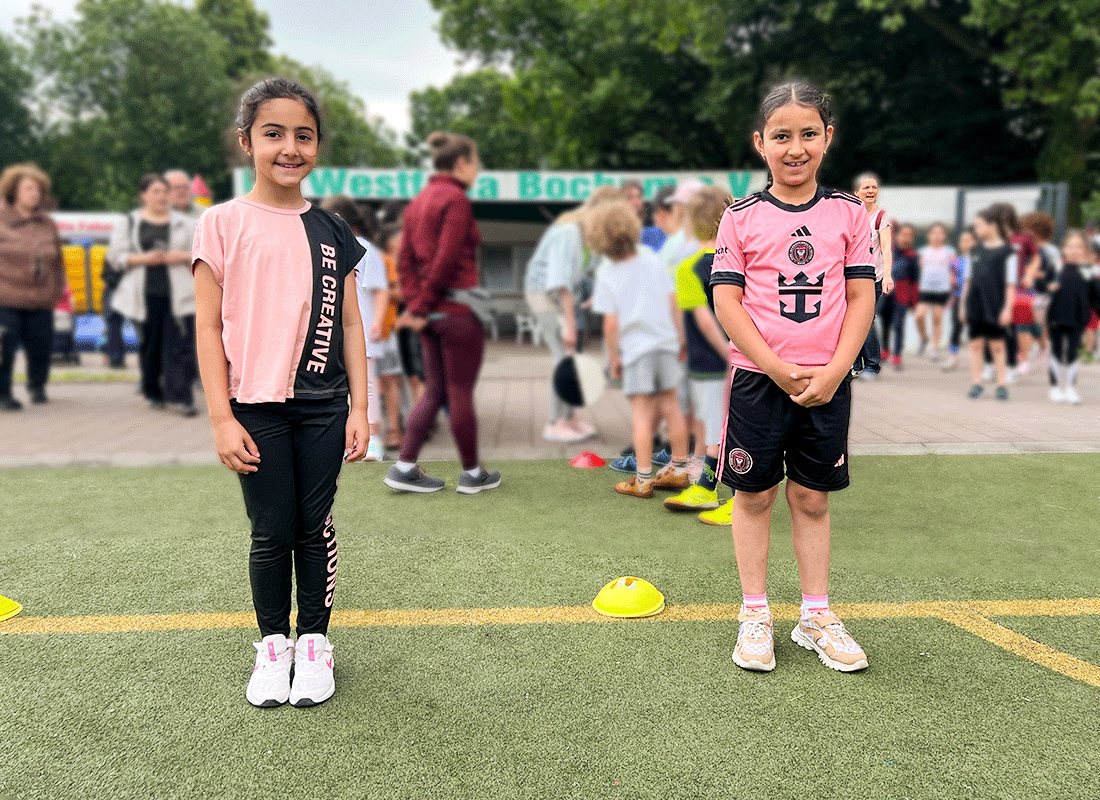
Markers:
(795, 297)
(801, 253)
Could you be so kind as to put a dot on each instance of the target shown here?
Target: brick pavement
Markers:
(95, 417)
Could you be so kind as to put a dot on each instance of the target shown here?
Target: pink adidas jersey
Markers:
(792, 262)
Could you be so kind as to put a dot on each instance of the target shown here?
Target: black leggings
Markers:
(1065, 343)
(289, 502)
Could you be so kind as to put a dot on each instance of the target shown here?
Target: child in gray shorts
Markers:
(643, 332)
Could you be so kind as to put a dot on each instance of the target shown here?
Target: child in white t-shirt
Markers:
(643, 332)
(936, 259)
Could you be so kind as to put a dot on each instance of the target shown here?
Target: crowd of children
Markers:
(1008, 286)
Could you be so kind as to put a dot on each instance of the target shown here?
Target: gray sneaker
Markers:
(412, 481)
(486, 480)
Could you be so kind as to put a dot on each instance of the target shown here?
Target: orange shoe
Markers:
(635, 487)
(671, 477)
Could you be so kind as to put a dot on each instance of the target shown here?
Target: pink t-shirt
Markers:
(282, 276)
(793, 263)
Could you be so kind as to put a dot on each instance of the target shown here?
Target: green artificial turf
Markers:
(638, 709)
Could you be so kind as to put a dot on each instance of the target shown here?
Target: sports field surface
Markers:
(469, 663)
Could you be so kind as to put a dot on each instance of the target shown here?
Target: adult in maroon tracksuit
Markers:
(436, 266)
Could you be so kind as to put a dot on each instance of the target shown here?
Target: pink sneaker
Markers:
(561, 431)
(582, 428)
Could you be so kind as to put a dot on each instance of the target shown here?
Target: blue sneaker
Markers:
(625, 464)
(662, 458)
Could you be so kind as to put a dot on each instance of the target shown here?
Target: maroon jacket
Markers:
(438, 247)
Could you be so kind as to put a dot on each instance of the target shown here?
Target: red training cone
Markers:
(586, 459)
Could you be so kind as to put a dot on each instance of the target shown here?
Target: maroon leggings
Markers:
(453, 348)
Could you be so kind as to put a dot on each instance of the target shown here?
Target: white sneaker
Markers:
(376, 450)
(1057, 395)
(951, 362)
(1072, 396)
(988, 373)
(934, 356)
(313, 681)
(1013, 376)
(269, 685)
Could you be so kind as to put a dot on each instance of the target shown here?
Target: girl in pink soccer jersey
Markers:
(794, 287)
(281, 348)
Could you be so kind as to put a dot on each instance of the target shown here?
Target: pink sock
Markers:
(815, 604)
(755, 602)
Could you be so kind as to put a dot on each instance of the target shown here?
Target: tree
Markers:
(138, 86)
(477, 105)
(1048, 56)
(245, 31)
(15, 117)
(676, 84)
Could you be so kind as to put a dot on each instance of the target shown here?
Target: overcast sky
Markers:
(383, 49)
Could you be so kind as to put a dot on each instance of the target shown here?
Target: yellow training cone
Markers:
(8, 608)
(629, 597)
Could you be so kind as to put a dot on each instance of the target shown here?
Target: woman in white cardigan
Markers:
(152, 248)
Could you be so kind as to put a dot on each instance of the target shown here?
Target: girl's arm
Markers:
(235, 447)
(356, 432)
(746, 338)
(860, 314)
(611, 340)
(886, 244)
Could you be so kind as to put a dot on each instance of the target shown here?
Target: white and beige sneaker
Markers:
(827, 636)
(755, 648)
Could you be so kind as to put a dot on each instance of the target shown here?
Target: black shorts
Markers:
(766, 429)
(934, 298)
(985, 330)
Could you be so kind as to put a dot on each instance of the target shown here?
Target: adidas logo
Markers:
(803, 231)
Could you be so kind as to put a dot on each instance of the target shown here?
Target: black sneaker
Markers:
(1002, 393)
(9, 403)
(38, 396)
(484, 480)
(975, 391)
(412, 481)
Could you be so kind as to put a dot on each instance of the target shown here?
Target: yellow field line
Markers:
(970, 615)
(1023, 646)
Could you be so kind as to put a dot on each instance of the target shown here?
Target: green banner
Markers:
(511, 186)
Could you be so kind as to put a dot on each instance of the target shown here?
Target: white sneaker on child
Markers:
(313, 681)
(376, 451)
(1072, 396)
(1056, 395)
(269, 685)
